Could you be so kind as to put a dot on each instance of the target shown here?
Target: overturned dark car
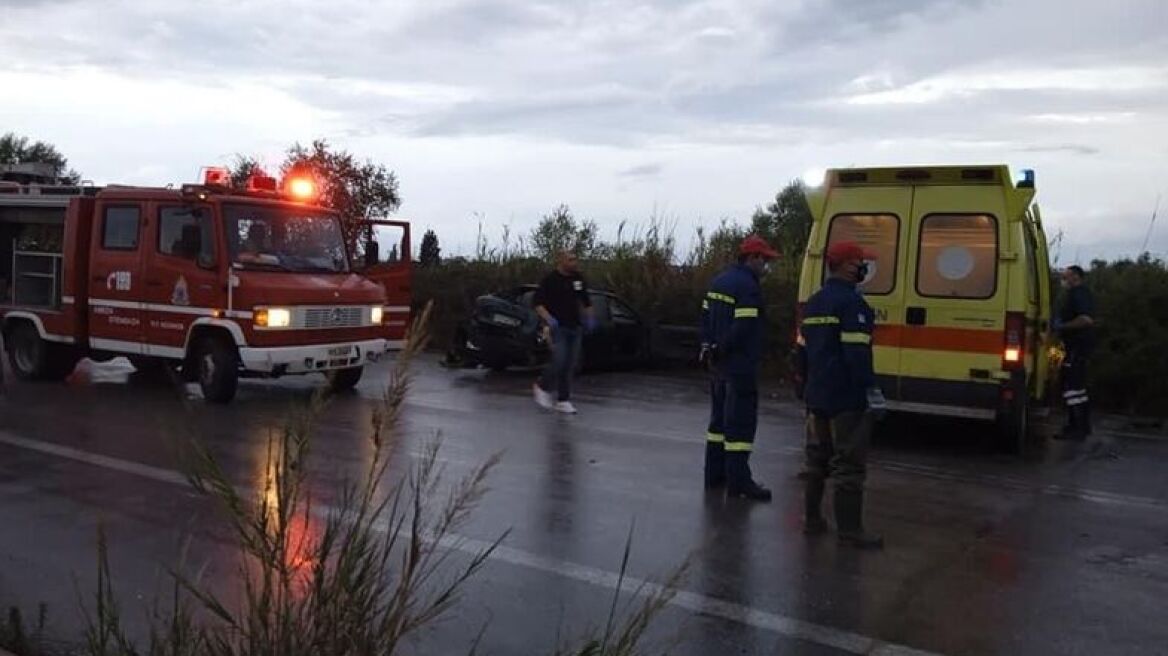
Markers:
(504, 331)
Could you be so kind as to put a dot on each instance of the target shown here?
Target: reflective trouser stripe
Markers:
(855, 338)
(821, 321)
(715, 437)
(739, 447)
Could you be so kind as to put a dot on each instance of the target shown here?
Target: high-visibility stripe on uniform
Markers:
(705, 304)
(746, 313)
(855, 338)
(739, 447)
(715, 296)
(821, 321)
(716, 438)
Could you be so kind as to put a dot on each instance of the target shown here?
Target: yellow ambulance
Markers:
(960, 286)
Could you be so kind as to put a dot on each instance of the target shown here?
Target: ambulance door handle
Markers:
(915, 316)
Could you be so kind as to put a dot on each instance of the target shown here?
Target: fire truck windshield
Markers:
(284, 239)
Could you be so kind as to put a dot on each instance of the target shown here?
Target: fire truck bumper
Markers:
(308, 359)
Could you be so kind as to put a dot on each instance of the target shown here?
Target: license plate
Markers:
(340, 350)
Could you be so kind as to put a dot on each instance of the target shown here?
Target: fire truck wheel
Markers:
(341, 380)
(217, 367)
(32, 358)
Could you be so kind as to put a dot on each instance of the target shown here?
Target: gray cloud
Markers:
(1074, 149)
(744, 91)
(643, 171)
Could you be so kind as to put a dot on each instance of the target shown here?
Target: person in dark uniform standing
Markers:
(733, 333)
(842, 395)
(563, 305)
(1075, 324)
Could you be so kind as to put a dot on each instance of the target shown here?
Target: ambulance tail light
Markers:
(1013, 350)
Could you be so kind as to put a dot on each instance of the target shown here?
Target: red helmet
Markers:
(755, 245)
(844, 251)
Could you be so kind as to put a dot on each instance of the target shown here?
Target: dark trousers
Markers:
(730, 433)
(838, 447)
(1075, 397)
(557, 375)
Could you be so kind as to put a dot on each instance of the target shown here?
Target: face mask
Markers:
(862, 272)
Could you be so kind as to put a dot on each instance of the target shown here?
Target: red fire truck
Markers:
(216, 281)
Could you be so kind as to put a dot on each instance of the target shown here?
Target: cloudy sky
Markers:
(497, 110)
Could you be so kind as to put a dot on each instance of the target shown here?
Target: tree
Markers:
(430, 254)
(560, 231)
(785, 223)
(19, 150)
(358, 190)
(243, 168)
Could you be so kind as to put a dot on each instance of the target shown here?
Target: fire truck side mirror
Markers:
(372, 253)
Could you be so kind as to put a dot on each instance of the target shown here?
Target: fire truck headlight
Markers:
(273, 318)
(376, 314)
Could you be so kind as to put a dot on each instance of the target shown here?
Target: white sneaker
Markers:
(566, 407)
(541, 397)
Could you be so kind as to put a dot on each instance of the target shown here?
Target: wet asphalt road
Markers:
(988, 554)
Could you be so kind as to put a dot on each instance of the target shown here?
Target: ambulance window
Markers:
(120, 229)
(879, 233)
(186, 232)
(958, 256)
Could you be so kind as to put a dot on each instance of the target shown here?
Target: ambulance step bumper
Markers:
(942, 410)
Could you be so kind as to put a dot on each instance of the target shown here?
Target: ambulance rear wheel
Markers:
(343, 380)
(32, 358)
(217, 367)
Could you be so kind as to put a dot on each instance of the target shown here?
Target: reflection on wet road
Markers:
(987, 554)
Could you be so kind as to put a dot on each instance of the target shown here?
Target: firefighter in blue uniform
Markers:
(733, 329)
(841, 393)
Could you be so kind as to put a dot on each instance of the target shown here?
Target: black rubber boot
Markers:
(813, 522)
(715, 465)
(739, 482)
(1076, 429)
(849, 521)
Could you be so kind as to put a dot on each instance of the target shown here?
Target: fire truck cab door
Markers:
(181, 275)
(116, 316)
(385, 258)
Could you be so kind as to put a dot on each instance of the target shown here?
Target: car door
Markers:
(181, 276)
(116, 321)
(597, 350)
(628, 333)
(385, 258)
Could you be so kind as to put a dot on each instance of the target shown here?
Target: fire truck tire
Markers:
(217, 369)
(342, 380)
(32, 358)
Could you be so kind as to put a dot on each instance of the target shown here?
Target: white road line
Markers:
(789, 627)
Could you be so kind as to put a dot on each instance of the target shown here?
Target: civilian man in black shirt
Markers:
(563, 304)
(1075, 323)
